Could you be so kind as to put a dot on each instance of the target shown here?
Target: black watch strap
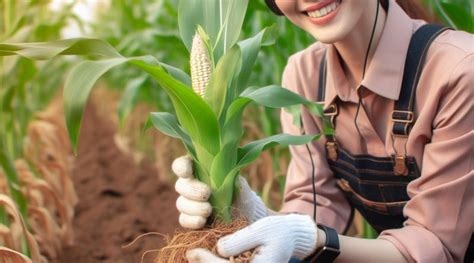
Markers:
(330, 251)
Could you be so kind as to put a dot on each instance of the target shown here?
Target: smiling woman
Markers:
(380, 71)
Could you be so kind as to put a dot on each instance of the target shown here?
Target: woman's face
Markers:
(328, 21)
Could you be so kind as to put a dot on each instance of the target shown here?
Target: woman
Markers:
(401, 104)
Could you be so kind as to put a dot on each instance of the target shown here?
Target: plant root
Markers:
(182, 241)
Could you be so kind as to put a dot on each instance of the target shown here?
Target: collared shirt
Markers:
(440, 212)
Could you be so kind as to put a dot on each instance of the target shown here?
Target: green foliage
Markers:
(137, 28)
(458, 14)
(197, 122)
(26, 86)
(222, 20)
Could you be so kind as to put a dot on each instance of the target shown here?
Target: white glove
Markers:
(193, 205)
(277, 238)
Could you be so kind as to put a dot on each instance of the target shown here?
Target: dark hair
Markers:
(412, 7)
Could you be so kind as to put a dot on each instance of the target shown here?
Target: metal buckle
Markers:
(334, 110)
(400, 166)
(411, 116)
(331, 148)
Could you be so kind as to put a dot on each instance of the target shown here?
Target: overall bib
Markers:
(377, 186)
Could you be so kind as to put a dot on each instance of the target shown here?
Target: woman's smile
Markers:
(323, 12)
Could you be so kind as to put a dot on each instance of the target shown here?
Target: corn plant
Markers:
(209, 125)
(26, 87)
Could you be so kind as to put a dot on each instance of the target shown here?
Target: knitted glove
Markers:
(277, 239)
(193, 205)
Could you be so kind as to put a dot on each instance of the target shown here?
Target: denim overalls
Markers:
(377, 186)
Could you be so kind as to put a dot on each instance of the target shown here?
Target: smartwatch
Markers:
(329, 252)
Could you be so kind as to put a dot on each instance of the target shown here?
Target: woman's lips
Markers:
(325, 18)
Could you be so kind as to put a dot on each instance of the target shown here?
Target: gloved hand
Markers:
(193, 205)
(277, 239)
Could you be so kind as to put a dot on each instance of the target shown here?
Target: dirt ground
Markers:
(119, 200)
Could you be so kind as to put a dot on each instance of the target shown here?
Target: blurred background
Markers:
(32, 133)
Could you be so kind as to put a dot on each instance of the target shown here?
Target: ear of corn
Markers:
(201, 64)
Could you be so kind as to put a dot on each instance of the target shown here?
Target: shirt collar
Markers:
(385, 72)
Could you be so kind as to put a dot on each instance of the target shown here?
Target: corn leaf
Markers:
(193, 113)
(232, 129)
(168, 124)
(459, 14)
(221, 19)
(221, 79)
(250, 48)
(12, 180)
(205, 159)
(129, 98)
(48, 50)
(195, 116)
(250, 152)
(231, 26)
(77, 88)
(177, 74)
(224, 161)
(269, 96)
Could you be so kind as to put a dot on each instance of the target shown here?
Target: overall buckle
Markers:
(403, 116)
(331, 148)
(400, 166)
(332, 110)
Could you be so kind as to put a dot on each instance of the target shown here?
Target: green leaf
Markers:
(269, 96)
(195, 116)
(221, 78)
(129, 98)
(48, 50)
(251, 151)
(274, 97)
(168, 124)
(177, 74)
(205, 159)
(232, 130)
(13, 182)
(223, 162)
(221, 19)
(77, 88)
(459, 14)
(250, 48)
(232, 25)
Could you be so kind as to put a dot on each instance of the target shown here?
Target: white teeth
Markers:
(324, 10)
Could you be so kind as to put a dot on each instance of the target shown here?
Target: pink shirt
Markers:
(441, 209)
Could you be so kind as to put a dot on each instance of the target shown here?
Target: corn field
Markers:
(82, 172)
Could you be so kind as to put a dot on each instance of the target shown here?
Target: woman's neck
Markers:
(353, 48)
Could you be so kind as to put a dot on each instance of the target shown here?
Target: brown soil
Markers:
(119, 200)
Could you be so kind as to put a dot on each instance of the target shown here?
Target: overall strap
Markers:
(403, 116)
(331, 112)
(322, 79)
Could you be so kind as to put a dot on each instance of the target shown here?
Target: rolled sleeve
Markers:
(332, 208)
(440, 212)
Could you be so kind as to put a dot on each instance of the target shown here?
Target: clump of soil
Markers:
(118, 200)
